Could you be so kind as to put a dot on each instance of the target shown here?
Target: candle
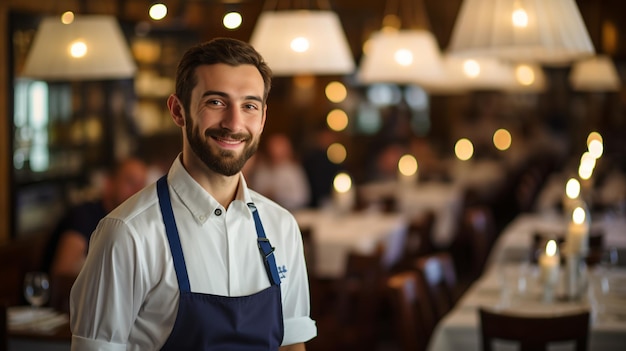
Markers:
(343, 194)
(549, 264)
(578, 232)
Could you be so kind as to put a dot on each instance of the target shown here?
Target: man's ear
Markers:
(176, 110)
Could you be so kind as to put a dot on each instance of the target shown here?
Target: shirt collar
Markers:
(199, 202)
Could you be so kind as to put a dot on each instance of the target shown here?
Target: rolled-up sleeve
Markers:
(80, 343)
(106, 296)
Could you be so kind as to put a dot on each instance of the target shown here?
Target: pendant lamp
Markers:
(597, 73)
(405, 52)
(302, 41)
(550, 32)
(92, 47)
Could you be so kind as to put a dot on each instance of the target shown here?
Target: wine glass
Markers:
(36, 288)
(610, 258)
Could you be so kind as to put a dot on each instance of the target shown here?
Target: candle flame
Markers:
(572, 188)
(551, 248)
(578, 216)
(342, 183)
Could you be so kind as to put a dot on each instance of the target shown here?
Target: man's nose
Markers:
(232, 119)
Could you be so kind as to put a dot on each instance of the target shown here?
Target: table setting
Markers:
(519, 288)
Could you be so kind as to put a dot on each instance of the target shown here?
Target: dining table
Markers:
(38, 329)
(444, 199)
(336, 234)
(511, 282)
(514, 242)
(516, 289)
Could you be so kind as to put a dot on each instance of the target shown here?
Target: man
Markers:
(199, 261)
(68, 243)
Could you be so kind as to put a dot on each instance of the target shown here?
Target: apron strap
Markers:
(172, 234)
(267, 251)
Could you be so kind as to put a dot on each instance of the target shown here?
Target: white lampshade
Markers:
(403, 57)
(296, 42)
(544, 31)
(107, 55)
(597, 73)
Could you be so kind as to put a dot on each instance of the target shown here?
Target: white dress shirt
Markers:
(126, 296)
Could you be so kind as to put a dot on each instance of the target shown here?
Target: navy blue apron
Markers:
(213, 322)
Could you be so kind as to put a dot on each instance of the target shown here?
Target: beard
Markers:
(225, 162)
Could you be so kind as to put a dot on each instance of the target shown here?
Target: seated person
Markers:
(279, 175)
(69, 242)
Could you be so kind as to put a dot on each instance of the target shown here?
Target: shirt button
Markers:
(218, 212)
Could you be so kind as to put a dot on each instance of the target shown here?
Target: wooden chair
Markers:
(534, 333)
(480, 228)
(351, 324)
(418, 241)
(439, 275)
(412, 317)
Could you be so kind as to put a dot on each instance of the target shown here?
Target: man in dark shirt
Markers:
(69, 242)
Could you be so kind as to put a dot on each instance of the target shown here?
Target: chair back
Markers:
(412, 317)
(534, 333)
(480, 226)
(439, 275)
(418, 241)
(351, 323)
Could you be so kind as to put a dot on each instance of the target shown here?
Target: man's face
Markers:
(226, 116)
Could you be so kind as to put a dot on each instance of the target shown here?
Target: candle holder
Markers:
(548, 292)
(574, 276)
(549, 264)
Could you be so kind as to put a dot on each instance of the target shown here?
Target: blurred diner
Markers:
(69, 242)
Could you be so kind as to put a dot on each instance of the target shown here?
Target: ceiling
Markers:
(359, 17)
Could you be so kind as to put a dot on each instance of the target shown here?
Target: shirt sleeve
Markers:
(299, 327)
(106, 296)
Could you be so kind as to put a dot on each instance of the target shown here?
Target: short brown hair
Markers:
(229, 51)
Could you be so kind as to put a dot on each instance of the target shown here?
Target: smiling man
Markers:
(191, 262)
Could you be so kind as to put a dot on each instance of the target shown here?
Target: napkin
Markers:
(38, 319)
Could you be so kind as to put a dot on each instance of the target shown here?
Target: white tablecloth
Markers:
(335, 235)
(459, 330)
(444, 199)
(515, 240)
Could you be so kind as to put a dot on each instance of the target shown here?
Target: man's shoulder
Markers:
(137, 205)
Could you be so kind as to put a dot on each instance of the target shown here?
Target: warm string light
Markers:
(407, 165)
(502, 139)
(464, 149)
(232, 20)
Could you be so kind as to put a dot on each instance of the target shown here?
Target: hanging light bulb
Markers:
(158, 11)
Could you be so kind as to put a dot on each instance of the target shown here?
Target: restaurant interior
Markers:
(461, 159)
